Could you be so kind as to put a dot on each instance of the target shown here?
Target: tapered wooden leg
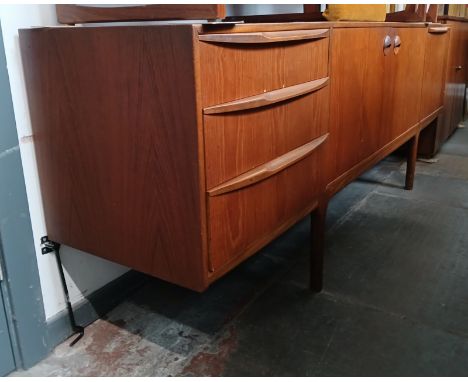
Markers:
(317, 246)
(411, 162)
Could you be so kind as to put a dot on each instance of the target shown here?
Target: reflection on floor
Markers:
(395, 301)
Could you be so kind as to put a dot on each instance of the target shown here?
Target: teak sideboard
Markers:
(181, 150)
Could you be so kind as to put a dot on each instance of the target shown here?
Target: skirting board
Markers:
(96, 305)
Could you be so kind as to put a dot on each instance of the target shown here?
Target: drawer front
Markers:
(236, 142)
(242, 221)
(234, 70)
(437, 41)
(405, 81)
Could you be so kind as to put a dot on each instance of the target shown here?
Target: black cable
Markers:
(76, 328)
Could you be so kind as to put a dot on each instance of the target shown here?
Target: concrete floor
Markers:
(395, 301)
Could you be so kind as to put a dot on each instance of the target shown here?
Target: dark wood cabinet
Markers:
(456, 77)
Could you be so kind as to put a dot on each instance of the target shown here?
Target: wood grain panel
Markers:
(434, 73)
(115, 134)
(430, 117)
(268, 169)
(258, 244)
(375, 98)
(77, 14)
(240, 220)
(279, 17)
(238, 142)
(268, 98)
(358, 70)
(456, 79)
(405, 78)
(234, 71)
(265, 37)
(355, 171)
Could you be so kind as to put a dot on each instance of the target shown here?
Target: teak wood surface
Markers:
(268, 98)
(268, 169)
(180, 150)
(241, 219)
(451, 46)
(432, 92)
(265, 37)
(456, 79)
(77, 14)
(358, 70)
(119, 161)
(405, 81)
(238, 142)
(375, 97)
(235, 71)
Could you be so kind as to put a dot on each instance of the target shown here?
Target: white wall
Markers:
(84, 273)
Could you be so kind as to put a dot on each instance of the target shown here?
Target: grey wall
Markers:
(16, 238)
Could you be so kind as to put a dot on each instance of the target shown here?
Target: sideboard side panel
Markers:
(114, 119)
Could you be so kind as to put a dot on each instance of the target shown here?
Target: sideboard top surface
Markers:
(253, 27)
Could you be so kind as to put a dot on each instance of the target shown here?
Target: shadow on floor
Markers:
(395, 301)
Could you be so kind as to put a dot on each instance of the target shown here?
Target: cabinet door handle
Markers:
(439, 30)
(268, 169)
(459, 67)
(268, 98)
(265, 37)
(387, 44)
(396, 44)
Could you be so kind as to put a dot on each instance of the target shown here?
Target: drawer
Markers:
(244, 220)
(437, 42)
(236, 141)
(238, 65)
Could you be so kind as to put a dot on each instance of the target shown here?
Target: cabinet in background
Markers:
(437, 39)
(455, 79)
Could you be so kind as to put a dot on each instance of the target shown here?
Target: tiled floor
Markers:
(395, 301)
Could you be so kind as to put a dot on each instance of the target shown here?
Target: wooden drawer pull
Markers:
(268, 169)
(438, 29)
(265, 37)
(268, 98)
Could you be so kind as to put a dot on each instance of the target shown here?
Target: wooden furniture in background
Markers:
(433, 85)
(72, 14)
(455, 80)
(454, 11)
(431, 15)
(311, 12)
(457, 73)
(77, 14)
(411, 13)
